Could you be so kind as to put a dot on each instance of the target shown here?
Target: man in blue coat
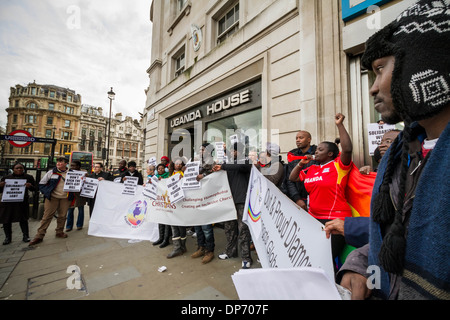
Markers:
(408, 242)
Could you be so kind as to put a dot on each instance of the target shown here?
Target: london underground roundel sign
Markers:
(20, 138)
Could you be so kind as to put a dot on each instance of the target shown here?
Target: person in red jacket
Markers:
(326, 182)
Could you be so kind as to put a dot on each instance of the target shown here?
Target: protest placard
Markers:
(189, 181)
(174, 188)
(150, 190)
(375, 133)
(89, 188)
(74, 181)
(129, 185)
(14, 190)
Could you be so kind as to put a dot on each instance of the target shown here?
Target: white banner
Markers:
(136, 216)
(121, 216)
(284, 235)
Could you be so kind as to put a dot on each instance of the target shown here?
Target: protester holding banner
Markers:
(79, 203)
(205, 233)
(327, 181)
(132, 172)
(161, 171)
(296, 190)
(178, 232)
(150, 172)
(237, 232)
(16, 211)
(165, 231)
(120, 171)
(100, 175)
(56, 200)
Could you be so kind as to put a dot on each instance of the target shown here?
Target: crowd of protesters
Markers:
(406, 234)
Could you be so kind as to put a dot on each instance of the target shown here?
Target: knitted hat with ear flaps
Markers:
(419, 39)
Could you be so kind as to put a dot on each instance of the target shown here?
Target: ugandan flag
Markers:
(359, 191)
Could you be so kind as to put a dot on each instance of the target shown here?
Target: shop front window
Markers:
(246, 127)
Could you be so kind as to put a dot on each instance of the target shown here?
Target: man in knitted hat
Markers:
(408, 243)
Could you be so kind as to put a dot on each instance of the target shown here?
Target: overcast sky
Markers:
(86, 45)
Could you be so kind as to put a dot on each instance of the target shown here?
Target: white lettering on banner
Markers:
(284, 235)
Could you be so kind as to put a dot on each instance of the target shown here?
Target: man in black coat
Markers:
(296, 190)
(237, 232)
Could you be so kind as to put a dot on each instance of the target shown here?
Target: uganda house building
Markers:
(271, 67)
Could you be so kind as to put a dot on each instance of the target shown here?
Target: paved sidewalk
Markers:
(111, 269)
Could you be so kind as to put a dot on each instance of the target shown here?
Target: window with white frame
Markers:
(179, 62)
(228, 24)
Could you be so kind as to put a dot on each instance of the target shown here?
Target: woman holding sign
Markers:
(16, 211)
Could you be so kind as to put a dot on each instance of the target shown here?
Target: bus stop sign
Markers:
(20, 138)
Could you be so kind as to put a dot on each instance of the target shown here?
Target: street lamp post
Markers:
(111, 96)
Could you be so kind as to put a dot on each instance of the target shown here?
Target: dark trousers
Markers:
(205, 237)
(238, 235)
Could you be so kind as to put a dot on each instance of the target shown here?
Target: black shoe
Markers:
(164, 244)
(159, 241)
(7, 241)
(26, 238)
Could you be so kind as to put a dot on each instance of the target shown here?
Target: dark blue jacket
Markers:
(49, 182)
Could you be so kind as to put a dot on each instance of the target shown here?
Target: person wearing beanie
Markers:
(409, 227)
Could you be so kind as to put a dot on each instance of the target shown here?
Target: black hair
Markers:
(131, 164)
(160, 165)
(77, 162)
(332, 147)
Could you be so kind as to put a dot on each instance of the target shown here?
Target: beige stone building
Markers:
(45, 111)
(93, 126)
(127, 141)
(272, 67)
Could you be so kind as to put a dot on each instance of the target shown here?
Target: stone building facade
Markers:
(293, 60)
(45, 111)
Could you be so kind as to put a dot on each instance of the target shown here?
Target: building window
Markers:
(67, 123)
(228, 24)
(179, 61)
(48, 133)
(16, 103)
(52, 94)
(31, 105)
(68, 110)
(33, 91)
(51, 106)
(47, 148)
(30, 119)
(181, 4)
(66, 135)
(14, 118)
(49, 121)
(69, 98)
